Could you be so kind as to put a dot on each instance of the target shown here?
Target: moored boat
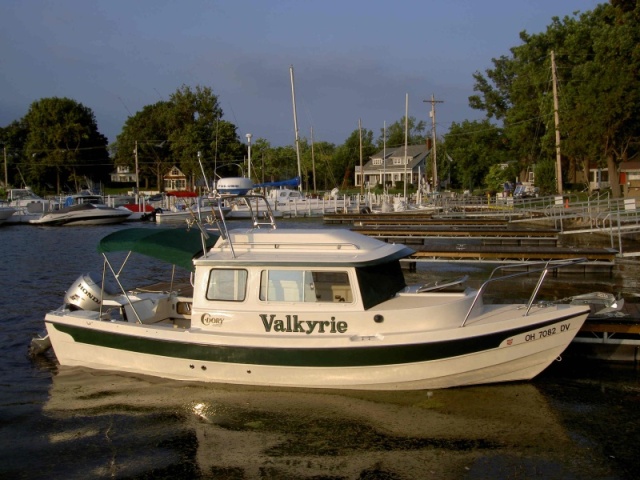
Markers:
(317, 308)
(28, 205)
(83, 209)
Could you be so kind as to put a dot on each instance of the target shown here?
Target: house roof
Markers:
(630, 166)
(415, 154)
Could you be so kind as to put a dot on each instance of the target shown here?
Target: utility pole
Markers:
(6, 177)
(556, 117)
(384, 157)
(137, 195)
(434, 158)
(361, 172)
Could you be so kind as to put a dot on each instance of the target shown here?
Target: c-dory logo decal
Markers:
(291, 324)
(208, 319)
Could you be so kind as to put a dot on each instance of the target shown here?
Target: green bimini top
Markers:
(177, 246)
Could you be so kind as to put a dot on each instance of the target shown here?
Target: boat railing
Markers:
(256, 222)
(543, 267)
(297, 245)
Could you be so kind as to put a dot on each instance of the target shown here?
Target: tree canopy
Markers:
(59, 145)
(597, 69)
(175, 131)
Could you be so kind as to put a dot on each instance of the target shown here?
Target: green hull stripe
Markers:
(298, 357)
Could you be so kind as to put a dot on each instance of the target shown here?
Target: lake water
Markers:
(577, 420)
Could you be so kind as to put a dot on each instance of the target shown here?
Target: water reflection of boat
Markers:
(323, 308)
(132, 426)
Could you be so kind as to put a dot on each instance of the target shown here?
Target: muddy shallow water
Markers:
(101, 425)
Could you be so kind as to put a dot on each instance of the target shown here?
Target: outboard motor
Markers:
(86, 293)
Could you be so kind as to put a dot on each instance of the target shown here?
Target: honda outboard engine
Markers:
(86, 293)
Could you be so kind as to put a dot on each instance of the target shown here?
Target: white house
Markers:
(395, 166)
(123, 175)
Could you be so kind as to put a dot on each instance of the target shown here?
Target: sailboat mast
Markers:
(313, 163)
(295, 126)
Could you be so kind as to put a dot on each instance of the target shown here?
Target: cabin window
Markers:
(228, 285)
(305, 286)
(378, 283)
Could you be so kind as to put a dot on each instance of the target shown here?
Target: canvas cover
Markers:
(177, 246)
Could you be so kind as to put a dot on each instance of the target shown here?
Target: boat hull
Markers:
(474, 354)
(91, 218)
(6, 213)
(184, 215)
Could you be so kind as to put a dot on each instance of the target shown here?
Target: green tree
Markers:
(396, 133)
(606, 101)
(147, 134)
(175, 131)
(195, 122)
(598, 65)
(347, 156)
(63, 141)
(475, 147)
(13, 138)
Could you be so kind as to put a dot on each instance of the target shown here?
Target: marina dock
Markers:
(614, 337)
(473, 240)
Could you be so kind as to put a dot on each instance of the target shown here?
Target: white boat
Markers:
(183, 213)
(260, 207)
(5, 213)
(28, 205)
(83, 209)
(316, 308)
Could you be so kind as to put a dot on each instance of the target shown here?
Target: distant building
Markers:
(392, 168)
(175, 180)
(123, 175)
(598, 178)
(630, 179)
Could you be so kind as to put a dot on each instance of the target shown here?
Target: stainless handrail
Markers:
(544, 269)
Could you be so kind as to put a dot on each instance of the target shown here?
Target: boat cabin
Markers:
(283, 196)
(269, 267)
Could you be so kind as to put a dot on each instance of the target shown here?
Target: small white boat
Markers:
(316, 308)
(187, 206)
(83, 209)
(28, 205)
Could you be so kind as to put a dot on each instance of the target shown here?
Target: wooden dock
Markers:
(404, 219)
(614, 338)
(494, 235)
(510, 253)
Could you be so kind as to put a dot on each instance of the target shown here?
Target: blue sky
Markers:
(352, 59)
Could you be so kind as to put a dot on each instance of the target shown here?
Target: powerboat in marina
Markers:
(84, 214)
(314, 308)
(83, 209)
